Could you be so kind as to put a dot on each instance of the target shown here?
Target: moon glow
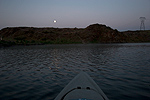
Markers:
(54, 21)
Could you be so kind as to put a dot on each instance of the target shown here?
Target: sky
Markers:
(117, 14)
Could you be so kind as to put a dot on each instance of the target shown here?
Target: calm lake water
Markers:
(41, 71)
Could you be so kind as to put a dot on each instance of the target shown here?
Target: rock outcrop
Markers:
(96, 33)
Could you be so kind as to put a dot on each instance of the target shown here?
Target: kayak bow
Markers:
(82, 87)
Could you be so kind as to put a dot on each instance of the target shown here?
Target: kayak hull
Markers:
(82, 87)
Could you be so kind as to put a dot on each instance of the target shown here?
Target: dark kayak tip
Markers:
(82, 87)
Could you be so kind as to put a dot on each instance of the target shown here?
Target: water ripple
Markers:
(41, 72)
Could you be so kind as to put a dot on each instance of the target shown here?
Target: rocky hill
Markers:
(95, 33)
(137, 36)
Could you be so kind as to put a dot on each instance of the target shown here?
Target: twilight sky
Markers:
(118, 14)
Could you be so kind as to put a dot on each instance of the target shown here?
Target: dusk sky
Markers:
(118, 14)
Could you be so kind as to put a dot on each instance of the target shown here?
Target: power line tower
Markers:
(142, 26)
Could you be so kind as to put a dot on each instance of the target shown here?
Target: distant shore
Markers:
(95, 33)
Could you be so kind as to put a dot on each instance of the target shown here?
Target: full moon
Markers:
(55, 21)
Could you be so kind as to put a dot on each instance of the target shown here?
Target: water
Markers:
(41, 71)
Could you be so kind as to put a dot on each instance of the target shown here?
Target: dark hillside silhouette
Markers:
(95, 33)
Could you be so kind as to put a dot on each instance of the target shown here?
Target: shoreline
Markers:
(95, 33)
(9, 44)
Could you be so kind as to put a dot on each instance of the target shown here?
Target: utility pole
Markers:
(142, 26)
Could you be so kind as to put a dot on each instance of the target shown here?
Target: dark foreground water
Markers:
(41, 71)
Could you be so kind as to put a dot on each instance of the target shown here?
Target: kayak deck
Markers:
(82, 87)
